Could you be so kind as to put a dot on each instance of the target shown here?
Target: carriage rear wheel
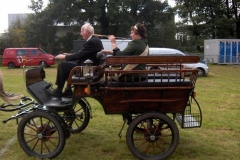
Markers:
(41, 135)
(152, 136)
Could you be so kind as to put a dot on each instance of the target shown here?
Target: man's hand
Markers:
(107, 51)
(60, 56)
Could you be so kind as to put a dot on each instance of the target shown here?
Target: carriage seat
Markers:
(164, 76)
(151, 83)
(76, 77)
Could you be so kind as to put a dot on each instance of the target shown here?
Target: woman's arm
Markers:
(107, 51)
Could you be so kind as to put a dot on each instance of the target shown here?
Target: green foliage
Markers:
(116, 17)
(210, 19)
(2, 45)
(206, 19)
(5, 42)
(66, 42)
(108, 17)
(41, 31)
(36, 5)
(16, 35)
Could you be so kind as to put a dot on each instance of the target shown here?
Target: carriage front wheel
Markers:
(152, 136)
(41, 135)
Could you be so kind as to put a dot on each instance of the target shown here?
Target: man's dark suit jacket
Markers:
(88, 51)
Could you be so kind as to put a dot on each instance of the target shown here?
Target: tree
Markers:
(114, 17)
(15, 37)
(108, 17)
(210, 18)
(41, 30)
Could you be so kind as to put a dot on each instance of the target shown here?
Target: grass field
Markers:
(218, 138)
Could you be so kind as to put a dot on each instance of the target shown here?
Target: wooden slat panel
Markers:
(151, 59)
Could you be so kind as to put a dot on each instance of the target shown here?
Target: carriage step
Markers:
(189, 120)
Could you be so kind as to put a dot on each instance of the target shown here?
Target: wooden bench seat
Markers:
(151, 83)
(164, 76)
(76, 79)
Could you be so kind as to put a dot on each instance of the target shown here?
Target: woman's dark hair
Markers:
(140, 30)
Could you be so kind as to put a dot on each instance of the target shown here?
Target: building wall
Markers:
(13, 17)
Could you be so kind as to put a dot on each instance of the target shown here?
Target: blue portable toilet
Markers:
(222, 51)
(238, 47)
(234, 52)
(228, 52)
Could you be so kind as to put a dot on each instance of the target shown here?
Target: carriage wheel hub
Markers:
(40, 136)
(152, 138)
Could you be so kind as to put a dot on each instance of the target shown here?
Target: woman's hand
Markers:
(113, 41)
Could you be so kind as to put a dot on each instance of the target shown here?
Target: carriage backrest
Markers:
(33, 75)
(152, 59)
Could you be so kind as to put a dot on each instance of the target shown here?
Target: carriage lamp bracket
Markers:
(88, 72)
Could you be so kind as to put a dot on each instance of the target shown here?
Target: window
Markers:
(34, 52)
(22, 52)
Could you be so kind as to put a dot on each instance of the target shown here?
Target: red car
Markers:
(16, 57)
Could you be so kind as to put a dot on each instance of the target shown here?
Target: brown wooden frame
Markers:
(167, 95)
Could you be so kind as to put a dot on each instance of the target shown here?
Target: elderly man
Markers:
(89, 50)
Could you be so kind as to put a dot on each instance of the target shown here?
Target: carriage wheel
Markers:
(152, 136)
(78, 118)
(41, 135)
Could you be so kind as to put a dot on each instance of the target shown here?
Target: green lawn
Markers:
(218, 138)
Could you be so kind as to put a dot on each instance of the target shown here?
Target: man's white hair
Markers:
(88, 27)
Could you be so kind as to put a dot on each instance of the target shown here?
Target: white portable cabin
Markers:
(222, 51)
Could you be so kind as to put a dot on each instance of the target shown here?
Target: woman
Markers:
(137, 47)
